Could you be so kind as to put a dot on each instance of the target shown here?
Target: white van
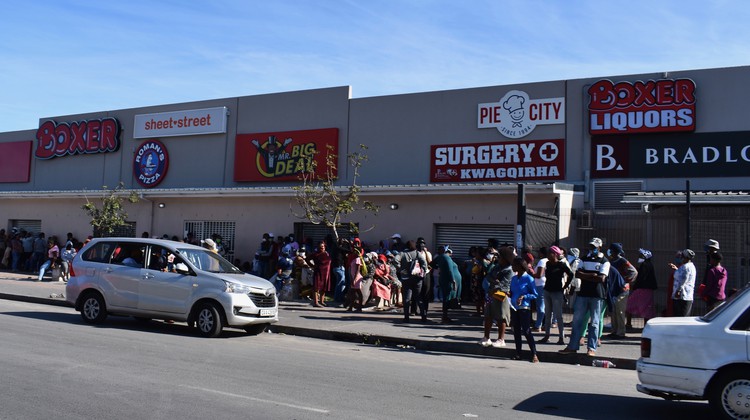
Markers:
(161, 279)
(701, 358)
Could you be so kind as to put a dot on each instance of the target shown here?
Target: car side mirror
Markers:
(182, 268)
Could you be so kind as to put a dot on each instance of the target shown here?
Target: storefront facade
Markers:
(448, 162)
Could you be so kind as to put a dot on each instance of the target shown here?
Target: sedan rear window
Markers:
(727, 304)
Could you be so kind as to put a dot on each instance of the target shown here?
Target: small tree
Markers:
(322, 201)
(112, 213)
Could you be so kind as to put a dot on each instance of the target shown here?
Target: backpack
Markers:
(416, 269)
(409, 264)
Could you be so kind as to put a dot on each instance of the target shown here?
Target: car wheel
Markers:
(93, 308)
(730, 394)
(208, 320)
(256, 329)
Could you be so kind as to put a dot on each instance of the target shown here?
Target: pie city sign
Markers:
(516, 115)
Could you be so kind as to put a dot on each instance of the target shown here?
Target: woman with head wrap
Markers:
(641, 300)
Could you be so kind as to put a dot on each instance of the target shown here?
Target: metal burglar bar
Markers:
(203, 229)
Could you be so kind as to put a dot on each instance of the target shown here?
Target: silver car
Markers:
(161, 279)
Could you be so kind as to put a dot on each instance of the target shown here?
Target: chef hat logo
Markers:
(514, 103)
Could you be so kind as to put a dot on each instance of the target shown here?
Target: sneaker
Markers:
(535, 359)
(591, 353)
(486, 342)
(498, 343)
(567, 350)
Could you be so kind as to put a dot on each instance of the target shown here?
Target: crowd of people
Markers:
(522, 289)
(508, 287)
(24, 251)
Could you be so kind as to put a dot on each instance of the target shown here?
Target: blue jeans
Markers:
(553, 302)
(16, 259)
(539, 307)
(584, 305)
(44, 268)
(339, 288)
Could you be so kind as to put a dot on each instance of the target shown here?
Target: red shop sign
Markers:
(531, 160)
(281, 155)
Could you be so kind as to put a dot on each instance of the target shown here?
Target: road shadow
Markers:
(582, 406)
(116, 322)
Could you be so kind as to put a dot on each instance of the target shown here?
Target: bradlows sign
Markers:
(516, 115)
(282, 155)
(532, 160)
(641, 107)
(671, 155)
(80, 137)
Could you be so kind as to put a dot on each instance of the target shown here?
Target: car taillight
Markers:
(645, 347)
(72, 272)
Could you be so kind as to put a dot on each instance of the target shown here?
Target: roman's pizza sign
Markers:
(665, 105)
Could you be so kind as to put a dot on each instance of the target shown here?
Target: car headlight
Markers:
(237, 288)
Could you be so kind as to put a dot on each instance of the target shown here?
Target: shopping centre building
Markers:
(599, 156)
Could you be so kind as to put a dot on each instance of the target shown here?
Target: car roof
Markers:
(163, 242)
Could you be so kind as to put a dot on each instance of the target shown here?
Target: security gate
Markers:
(203, 229)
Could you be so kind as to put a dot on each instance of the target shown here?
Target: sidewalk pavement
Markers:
(383, 328)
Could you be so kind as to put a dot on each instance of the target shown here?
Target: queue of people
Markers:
(24, 251)
(508, 287)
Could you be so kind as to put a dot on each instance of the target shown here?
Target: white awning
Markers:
(679, 197)
(369, 190)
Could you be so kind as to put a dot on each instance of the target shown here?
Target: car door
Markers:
(122, 275)
(161, 289)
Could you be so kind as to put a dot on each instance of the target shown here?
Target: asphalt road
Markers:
(53, 366)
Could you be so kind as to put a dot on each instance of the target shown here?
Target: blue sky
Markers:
(61, 57)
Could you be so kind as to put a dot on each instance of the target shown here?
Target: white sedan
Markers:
(701, 358)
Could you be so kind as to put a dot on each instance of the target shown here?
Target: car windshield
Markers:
(728, 303)
(209, 261)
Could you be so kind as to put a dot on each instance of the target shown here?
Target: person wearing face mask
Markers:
(684, 284)
(593, 272)
(559, 275)
(618, 297)
(264, 255)
(641, 300)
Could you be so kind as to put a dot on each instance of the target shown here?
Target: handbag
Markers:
(499, 295)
